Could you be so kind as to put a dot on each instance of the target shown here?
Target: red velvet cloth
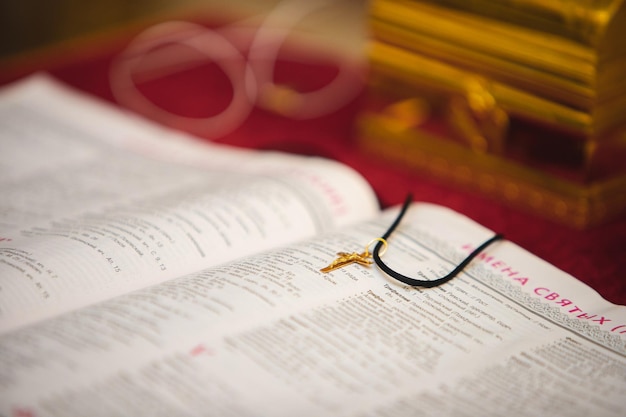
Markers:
(596, 256)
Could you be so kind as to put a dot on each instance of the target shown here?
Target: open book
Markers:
(145, 273)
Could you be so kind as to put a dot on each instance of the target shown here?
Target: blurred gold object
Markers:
(524, 100)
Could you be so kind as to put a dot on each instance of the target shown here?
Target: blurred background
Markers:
(33, 25)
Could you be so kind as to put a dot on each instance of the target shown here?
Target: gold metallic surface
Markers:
(526, 99)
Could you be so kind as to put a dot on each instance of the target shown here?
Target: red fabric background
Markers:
(596, 256)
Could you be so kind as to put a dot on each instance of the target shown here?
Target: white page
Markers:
(271, 336)
(83, 219)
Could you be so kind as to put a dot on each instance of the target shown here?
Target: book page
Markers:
(272, 335)
(85, 215)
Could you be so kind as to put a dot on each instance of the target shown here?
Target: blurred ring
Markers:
(208, 43)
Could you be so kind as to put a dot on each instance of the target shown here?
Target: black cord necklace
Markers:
(363, 258)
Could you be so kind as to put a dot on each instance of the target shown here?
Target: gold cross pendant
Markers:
(345, 258)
